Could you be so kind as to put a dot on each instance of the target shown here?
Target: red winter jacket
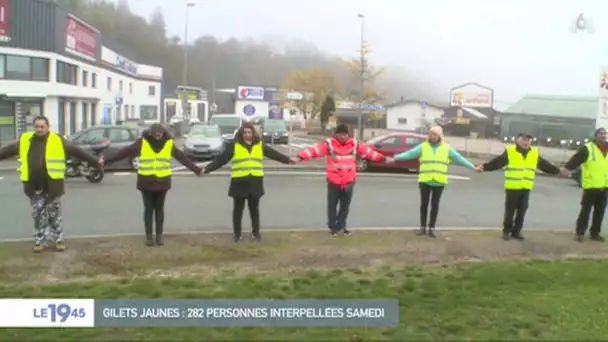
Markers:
(341, 162)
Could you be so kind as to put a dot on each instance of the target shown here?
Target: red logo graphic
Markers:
(5, 26)
(243, 93)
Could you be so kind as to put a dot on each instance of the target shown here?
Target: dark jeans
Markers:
(336, 217)
(430, 194)
(254, 212)
(516, 204)
(592, 199)
(154, 205)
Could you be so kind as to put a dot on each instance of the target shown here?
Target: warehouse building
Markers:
(551, 117)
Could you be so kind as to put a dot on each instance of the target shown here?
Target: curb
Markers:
(228, 231)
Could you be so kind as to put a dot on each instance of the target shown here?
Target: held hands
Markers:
(564, 172)
(390, 160)
(478, 168)
(101, 161)
(293, 161)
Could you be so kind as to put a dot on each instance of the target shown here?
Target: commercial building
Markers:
(54, 64)
(551, 116)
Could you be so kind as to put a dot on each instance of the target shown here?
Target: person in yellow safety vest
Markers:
(520, 162)
(154, 149)
(594, 181)
(246, 154)
(435, 156)
(42, 155)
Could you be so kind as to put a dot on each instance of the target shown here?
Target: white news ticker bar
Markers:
(47, 313)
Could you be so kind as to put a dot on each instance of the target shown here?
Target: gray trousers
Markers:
(47, 217)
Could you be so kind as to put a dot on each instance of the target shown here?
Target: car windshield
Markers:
(205, 132)
(275, 125)
(227, 125)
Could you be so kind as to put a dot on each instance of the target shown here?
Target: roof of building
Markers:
(555, 105)
(405, 102)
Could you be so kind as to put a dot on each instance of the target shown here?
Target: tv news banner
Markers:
(65, 313)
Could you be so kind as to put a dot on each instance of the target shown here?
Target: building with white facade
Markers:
(412, 115)
(74, 81)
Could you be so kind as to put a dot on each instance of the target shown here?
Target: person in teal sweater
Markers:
(435, 156)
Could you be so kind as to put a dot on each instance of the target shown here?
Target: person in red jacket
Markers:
(341, 151)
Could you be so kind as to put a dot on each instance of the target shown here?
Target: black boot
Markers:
(149, 236)
(597, 238)
(422, 231)
(506, 236)
(432, 232)
(159, 236)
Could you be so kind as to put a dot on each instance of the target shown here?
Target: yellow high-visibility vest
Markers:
(520, 173)
(155, 164)
(247, 164)
(434, 165)
(594, 172)
(54, 155)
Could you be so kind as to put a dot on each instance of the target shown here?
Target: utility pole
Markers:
(361, 78)
(185, 75)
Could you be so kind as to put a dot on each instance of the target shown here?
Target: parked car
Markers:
(275, 132)
(119, 137)
(203, 142)
(390, 145)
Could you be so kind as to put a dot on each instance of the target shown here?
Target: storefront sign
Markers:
(472, 95)
(80, 39)
(250, 93)
(5, 23)
(126, 65)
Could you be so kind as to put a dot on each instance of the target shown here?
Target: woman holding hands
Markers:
(435, 156)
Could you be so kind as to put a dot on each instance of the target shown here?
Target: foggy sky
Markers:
(516, 47)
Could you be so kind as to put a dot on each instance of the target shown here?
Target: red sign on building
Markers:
(80, 38)
(5, 23)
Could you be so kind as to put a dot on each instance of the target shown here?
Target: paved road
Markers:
(198, 204)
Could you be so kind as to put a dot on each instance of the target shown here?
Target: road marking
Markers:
(302, 173)
(228, 231)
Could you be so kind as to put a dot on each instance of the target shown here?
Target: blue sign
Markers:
(275, 112)
(126, 65)
(249, 110)
(423, 104)
(374, 107)
(118, 100)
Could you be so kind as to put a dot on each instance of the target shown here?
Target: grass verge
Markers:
(440, 298)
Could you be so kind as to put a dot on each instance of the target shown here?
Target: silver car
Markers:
(203, 142)
(119, 136)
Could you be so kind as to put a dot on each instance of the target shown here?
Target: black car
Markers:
(275, 132)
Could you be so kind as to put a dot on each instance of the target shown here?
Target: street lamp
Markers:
(185, 75)
(361, 78)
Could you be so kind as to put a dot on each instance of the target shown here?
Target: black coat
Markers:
(250, 185)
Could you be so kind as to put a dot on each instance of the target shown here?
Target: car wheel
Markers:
(135, 163)
(362, 165)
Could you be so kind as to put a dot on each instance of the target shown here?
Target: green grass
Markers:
(502, 300)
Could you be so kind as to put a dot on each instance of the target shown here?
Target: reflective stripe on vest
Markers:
(345, 161)
(54, 155)
(434, 165)
(155, 164)
(594, 172)
(520, 173)
(247, 164)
